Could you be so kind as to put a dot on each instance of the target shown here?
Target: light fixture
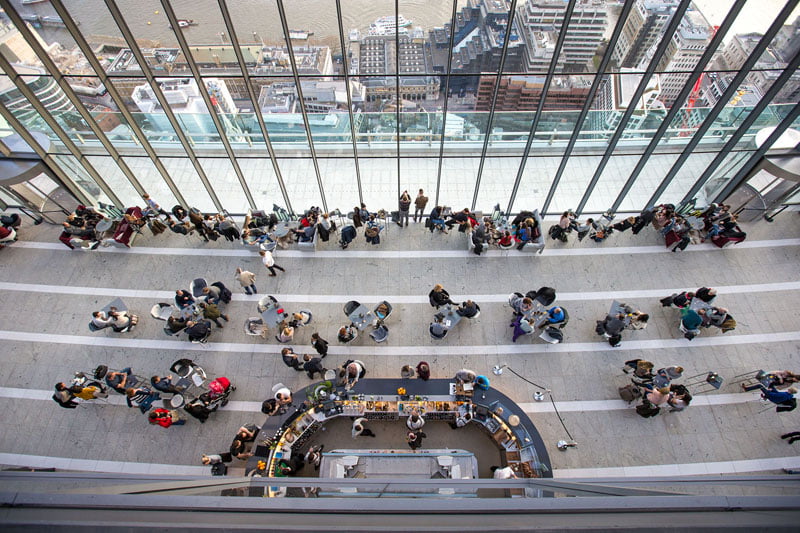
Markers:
(564, 444)
(498, 369)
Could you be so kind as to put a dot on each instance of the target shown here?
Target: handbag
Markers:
(428, 223)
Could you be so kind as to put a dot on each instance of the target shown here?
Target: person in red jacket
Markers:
(165, 418)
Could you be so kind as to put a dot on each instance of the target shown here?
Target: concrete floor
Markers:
(49, 293)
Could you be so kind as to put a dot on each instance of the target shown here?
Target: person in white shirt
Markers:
(269, 262)
(503, 473)
(415, 421)
(359, 430)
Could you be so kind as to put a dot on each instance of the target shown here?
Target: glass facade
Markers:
(531, 104)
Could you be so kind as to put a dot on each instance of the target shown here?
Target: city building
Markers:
(584, 35)
(522, 93)
(685, 49)
(642, 29)
(377, 68)
(615, 97)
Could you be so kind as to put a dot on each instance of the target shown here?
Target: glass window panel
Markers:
(301, 183)
(458, 181)
(185, 177)
(262, 181)
(280, 108)
(152, 181)
(535, 184)
(339, 181)
(151, 29)
(378, 182)
(226, 184)
(686, 176)
(185, 101)
(138, 98)
(574, 180)
(415, 174)
(497, 181)
(115, 179)
(73, 168)
(378, 132)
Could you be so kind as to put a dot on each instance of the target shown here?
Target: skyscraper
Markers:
(642, 30)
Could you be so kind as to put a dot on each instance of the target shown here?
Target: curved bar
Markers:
(521, 446)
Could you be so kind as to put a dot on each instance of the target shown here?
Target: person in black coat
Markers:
(291, 360)
(320, 345)
(612, 326)
(198, 330)
(439, 297)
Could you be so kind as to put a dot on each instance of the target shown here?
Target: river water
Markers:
(258, 20)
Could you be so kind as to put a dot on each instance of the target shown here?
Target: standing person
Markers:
(312, 366)
(314, 456)
(405, 205)
(359, 430)
(247, 280)
(291, 359)
(439, 297)
(320, 345)
(414, 439)
(419, 205)
(415, 421)
(269, 262)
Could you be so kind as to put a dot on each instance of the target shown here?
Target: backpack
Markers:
(728, 325)
(629, 393)
(219, 469)
(647, 409)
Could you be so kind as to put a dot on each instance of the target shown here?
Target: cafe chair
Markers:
(92, 327)
(202, 340)
(348, 341)
(162, 311)
(382, 318)
(552, 335)
(380, 334)
(196, 287)
(350, 306)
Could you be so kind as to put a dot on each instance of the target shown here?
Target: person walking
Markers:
(405, 205)
(291, 359)
(212, 312)
(247, 280)
(359, 430)
(269, 262)
(320, 345)
(419, 205)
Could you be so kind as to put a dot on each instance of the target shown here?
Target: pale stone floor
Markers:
(607, 438)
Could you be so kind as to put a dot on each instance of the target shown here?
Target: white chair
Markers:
(380, 334)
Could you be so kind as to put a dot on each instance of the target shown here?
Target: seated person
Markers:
(785, 400)
(706, 294)
(65, 396)
(291, 467)
(731, 229)
(100, 320)
(179, 212)
(465, 376)
(176, 324)
(439, 296)
(691, 319)
(239, 449)
(522, 306)
(436, 219)
(555, 315)
(141, 397)
(122, 321)
(461, 218)
(164, 384)
(254, 237)
(437, 330)
(184, 228)
(119, 381)
(714, 317)
(468, 309)
(183, 299)
(78, 231)
(270, 407)
(639, 320)
(304, 234)
(300, 319)
(286, 334)
(283, 396)
(382, 311)
(506, 241)
(198, 330)
(611, 327)
(347, 333)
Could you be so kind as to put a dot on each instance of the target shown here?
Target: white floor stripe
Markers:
(701, 400)
(676, 469)
(394, 298)
(405, 254)
(492, 349)
(683, 469)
